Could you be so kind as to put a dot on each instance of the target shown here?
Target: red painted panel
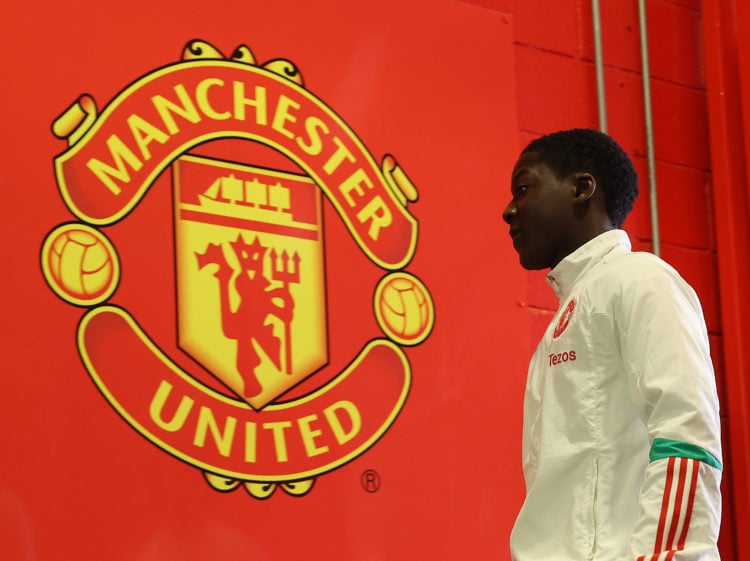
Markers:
(539, 294)
(743, 61)
(438, 93)
(638, 223)
(685, 207)
(496, 5)
(621, 34)
(565, 27)
(674, 52)
(680, 124)
(625, 110)
(691, 4)
(555, 92)
(717, 356)
(679, 118)
(539, 320)
(727, 60)
(698, 268)
(728, 546)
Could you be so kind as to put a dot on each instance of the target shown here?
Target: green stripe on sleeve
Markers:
(664, 448)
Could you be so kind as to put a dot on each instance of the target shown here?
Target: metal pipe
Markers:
(649, 128)
(601, 96)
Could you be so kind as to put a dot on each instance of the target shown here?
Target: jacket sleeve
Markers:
(665, 349)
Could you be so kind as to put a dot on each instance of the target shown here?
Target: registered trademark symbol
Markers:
(370, 481)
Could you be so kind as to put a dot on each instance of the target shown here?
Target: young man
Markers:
(621, 435)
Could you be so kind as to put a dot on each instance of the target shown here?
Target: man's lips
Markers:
(515, 234)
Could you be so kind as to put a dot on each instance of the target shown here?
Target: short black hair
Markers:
(594, 152)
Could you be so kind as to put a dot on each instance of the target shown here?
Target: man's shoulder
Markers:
(637, 273)
(638, 266)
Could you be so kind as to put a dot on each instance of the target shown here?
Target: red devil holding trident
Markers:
(247, 324)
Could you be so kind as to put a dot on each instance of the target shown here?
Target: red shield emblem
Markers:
(250, 277)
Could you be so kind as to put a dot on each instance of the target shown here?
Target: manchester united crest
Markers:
(249, 250)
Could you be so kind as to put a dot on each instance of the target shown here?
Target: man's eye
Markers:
(521, 189)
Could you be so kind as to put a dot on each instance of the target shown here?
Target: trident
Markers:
(287, 272)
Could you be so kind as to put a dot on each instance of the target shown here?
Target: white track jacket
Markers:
(621, 433)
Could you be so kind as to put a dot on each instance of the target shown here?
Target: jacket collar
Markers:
(564, 276)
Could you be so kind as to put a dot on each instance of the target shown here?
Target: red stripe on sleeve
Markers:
(664, 509)
(677, 503)
(691, 501)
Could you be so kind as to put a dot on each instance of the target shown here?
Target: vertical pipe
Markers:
(601, 96)
(649, 128)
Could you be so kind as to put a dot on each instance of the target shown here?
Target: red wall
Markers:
(77, 481)
(451, 464)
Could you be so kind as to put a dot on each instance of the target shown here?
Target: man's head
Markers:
(567, 188)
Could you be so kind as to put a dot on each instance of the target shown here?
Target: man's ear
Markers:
(585, 185)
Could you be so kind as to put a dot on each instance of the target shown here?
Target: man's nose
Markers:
(509, 212)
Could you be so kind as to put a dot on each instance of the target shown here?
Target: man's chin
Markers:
(531, 264)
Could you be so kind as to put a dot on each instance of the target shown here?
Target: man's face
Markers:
(540, 213)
